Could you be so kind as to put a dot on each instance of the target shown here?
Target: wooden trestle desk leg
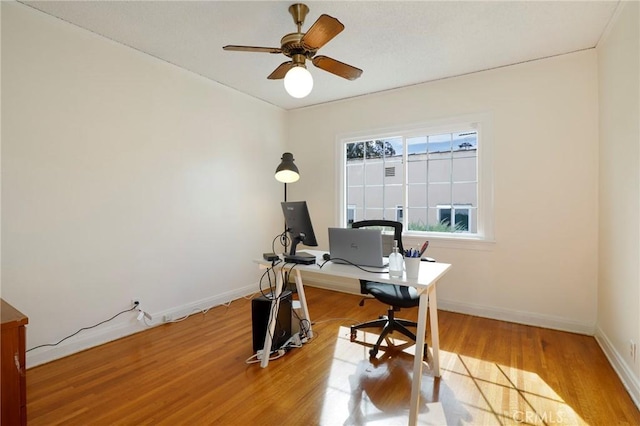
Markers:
(303, 303)
(273, 315)
(427, 299)
(435, 334)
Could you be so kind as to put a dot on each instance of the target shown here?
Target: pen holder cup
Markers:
(412, 267)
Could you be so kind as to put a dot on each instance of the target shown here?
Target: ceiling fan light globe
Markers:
(298, 82)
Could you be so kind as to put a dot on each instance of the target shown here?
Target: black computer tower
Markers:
(260, 311)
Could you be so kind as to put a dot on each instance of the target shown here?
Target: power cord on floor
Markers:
(135, 307)
(255, 358)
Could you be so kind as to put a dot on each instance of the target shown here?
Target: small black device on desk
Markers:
(270, 257)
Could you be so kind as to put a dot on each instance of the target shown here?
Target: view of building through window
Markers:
(429, 182)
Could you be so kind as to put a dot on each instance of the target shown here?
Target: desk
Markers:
(430, 273)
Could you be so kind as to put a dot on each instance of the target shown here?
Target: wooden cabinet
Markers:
(13, 380)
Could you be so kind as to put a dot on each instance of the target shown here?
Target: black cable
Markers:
(268, 274)
(84, 328)
(381, 271)
(283, 238)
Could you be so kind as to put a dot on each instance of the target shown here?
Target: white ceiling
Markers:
(395, 43)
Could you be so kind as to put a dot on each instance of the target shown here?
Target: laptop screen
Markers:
(362, 247)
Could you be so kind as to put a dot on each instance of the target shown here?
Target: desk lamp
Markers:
(287, 172)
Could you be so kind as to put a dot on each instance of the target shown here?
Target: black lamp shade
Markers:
(287, 171)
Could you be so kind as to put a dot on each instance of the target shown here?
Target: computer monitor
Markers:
(298, 222)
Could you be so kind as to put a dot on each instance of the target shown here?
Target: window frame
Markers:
(482, 122)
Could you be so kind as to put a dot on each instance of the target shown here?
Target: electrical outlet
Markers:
(633, 350)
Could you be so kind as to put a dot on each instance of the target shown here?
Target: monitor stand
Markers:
(302, 258)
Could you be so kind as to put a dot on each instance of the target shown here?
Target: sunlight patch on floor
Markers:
(361, 392)
(471, 391)
(485, 389)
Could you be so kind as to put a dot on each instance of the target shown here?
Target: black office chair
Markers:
(396, 296)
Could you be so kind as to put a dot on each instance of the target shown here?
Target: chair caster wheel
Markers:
(373, 353)
(353, 335)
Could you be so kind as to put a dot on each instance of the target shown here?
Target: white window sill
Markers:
(459, 241)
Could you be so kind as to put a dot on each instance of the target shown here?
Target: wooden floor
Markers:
(194, 373)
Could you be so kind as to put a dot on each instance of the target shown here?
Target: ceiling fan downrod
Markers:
(299, 12)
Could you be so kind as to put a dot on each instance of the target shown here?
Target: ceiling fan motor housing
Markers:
(291, 45)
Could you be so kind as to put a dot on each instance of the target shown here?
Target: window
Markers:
(434, 179)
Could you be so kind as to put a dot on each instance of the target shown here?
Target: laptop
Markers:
(362, 247)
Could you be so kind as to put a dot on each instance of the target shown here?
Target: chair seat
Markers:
(394, 295)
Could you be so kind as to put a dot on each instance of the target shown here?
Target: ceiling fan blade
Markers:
(253, 49)
(281, 71)
(323, 30)
(336, 67)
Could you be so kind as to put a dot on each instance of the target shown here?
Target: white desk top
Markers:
(430, 272)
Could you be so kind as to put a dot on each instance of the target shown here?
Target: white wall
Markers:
(619, 254)
(542, 268)
(124, 176)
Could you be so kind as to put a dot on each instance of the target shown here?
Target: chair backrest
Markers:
(384, 225)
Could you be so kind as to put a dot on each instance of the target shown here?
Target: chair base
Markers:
(389, 323)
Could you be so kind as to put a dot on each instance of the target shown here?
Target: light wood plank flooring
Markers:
(194, 373)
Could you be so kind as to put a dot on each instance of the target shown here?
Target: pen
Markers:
(423, 248)
(412, 253)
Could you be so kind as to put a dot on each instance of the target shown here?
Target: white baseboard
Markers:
(629, 380)
(107, 333)
(204, 304)
(520, 317)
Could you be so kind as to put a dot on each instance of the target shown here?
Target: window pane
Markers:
(461, 219)
(355, 174)
(417, 170)
(392, 197)
(394, 147)
(465, 140)
(464, 166)
(465, 193)
(417, 195)
(417, 145)
(356, 196)
(440, 170)
(371, 214)
(439, 194)
(393, 171)
(374, 172)
(417, 219)
(373, 196)
(440, 143)
(372, 150)
(351, 214)
(355, 150)
(444, 216)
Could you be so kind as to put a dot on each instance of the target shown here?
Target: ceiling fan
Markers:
(301, 46)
